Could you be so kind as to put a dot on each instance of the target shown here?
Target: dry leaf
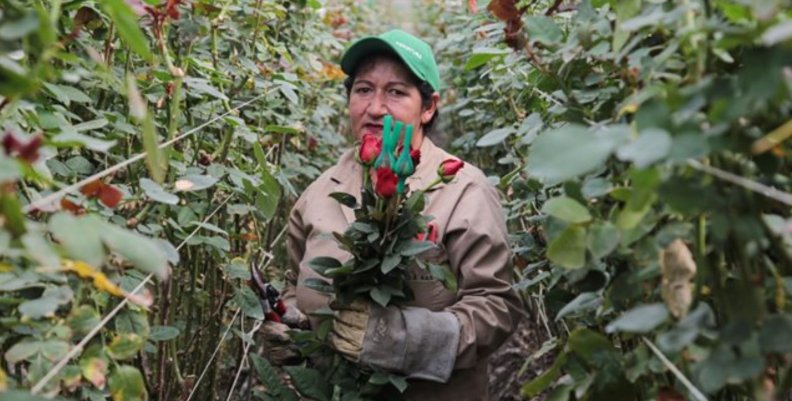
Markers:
(110, 196)
(92, 188)
(95, 370)
(505, 10)
(331, 72)
(678, 269)
(71, 207)
(102, 283)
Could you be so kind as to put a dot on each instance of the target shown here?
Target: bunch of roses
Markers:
(389, 230)
(391, 172)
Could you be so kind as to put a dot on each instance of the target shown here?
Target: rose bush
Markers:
(642, 152)
(86, 85)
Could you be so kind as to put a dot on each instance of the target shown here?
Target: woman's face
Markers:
(383, 86)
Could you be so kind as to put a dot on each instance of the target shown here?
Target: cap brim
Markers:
(372, 44)
(361, 48)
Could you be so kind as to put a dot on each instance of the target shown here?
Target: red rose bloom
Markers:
(386, 183)
(370, 148)
(449, 168)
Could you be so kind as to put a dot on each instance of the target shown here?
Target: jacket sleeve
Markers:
(488, 308)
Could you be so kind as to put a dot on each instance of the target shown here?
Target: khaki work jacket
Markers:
(472, 239)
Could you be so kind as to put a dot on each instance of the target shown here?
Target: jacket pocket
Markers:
(428, 291)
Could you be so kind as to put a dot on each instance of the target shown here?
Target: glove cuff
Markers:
(416, 342)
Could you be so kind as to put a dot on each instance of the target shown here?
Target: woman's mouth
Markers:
(375, 129)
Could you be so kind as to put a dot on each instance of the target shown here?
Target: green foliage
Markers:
(126, 383)
(269, 377)
(127, 24)
(99, 83)
(595, 121)
(597, 126)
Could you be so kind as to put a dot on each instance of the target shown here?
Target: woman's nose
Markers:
(378, 106)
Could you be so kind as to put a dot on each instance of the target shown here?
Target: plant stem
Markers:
(164, 320)
(228, 136)
(175, 107)
(108, 58)
(174, 355)
(253, 40)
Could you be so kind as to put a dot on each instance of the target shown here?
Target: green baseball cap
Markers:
(414, 52)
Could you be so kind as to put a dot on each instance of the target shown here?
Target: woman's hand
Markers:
(349, 329)
(279, 348)
(295, 319)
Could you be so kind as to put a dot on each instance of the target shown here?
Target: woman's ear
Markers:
(429, 111)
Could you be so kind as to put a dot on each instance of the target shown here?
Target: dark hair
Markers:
(424, 88)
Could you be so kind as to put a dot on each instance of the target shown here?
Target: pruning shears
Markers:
(270, 298)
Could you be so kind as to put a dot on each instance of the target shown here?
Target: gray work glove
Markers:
(415, 342)
(279, 348)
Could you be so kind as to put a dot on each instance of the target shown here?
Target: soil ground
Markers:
(506, 377)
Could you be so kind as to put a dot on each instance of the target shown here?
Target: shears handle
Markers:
(269, 297)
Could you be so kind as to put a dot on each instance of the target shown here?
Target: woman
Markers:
(441, 341)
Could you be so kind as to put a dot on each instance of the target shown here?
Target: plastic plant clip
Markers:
(395, 134)
(404, 165)
(386, 154)
(394, 138)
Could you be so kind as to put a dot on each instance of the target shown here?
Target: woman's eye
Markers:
(362, 89)
(397, 92)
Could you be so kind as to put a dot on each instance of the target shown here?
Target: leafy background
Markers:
(611, 128)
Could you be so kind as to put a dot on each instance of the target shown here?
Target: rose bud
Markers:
(449, 168)
(385, 187)
(370, 148)
(415, 155)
